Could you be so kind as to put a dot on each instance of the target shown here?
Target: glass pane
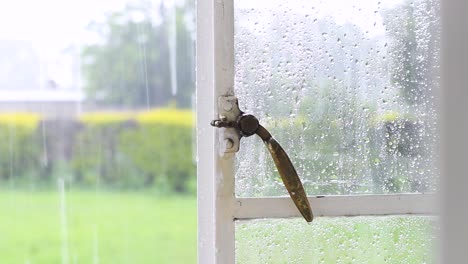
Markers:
(346, 87)
(96, 162)
(389, 239)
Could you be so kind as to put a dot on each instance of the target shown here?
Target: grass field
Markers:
(140, 228)
(373, 240)
(96, 227)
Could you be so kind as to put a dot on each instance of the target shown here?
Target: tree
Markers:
(414, 51)
(413, 27)
(130, 65)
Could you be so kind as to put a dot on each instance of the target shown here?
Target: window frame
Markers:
(454, 128)
(218, 208)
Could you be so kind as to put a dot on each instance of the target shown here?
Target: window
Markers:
(347, 87)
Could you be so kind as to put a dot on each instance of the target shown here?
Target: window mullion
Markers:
(215, 78)
(355, 205)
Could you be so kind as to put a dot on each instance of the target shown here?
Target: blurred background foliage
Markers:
(131, 64)
(149, 149)
(152, 150)
(135, 128)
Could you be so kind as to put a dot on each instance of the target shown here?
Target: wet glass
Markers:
(96, 129)
(347, 89)
(387, 239)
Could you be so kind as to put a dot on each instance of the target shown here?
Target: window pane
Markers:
(389, 239)
(96, 162)
(346, 87)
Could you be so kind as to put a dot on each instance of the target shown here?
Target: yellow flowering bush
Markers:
(20, 150)
(133, 150)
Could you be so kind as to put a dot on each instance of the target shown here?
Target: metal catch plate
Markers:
(228, 109)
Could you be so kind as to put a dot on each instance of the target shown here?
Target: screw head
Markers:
(227, 106)
(228, 143)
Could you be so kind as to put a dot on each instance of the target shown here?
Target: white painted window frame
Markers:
(454, 126)
(218, 207)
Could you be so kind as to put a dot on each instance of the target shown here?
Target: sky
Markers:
(357, 12)
(52, 26)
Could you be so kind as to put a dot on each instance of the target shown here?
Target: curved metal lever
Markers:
(248, 125)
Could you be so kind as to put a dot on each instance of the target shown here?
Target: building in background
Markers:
(51, 104)
(48, 86)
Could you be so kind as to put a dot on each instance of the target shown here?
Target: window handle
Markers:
(248, 125)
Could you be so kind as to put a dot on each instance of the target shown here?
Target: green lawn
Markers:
(373, 240)
(140, 228)
(97, 227)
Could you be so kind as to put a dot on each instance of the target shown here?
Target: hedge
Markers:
(19, 151)
(384, 153)
(146, 149)
(154, 149)
(124, 150)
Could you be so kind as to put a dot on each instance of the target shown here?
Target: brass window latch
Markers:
(248, 125)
